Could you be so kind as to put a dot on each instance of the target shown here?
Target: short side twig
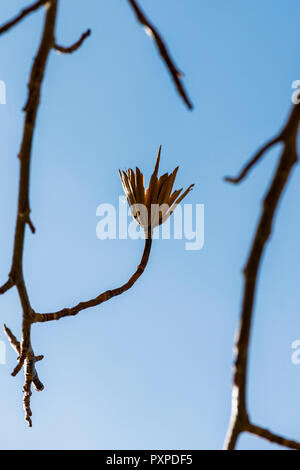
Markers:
(239, 421)
(75, 46)
(31, 377)
(163, 50)
(30, 373)
(271, 437)
(104, 297)
(8, 285)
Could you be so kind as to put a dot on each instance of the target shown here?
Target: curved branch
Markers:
(253, 161)
(163, 50)
(104, 297)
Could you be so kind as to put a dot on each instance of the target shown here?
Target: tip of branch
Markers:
(31, 226)
(230, 179)
(17, 368)
(75, 46)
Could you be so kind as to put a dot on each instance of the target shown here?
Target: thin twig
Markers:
(15, 344)
(75, 46)
(281, 137)
(25, 12)
(163, 50)
(104, 297)
(239, 421)
(30, 374)
(31, 377)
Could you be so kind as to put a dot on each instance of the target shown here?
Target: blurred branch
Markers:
(162, 48)
(24, 348)
(8, 285)
(31, 376)
(26, 357)
(25, 12)
(239, 421)
(75, 46)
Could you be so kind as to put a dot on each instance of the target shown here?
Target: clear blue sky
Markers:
(152, 368)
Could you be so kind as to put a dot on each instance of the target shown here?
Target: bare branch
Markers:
(253, 161)
(271, 437)
(31, 377)
(8, 285)
(10, 24)
(163, 50)
(30, 374)
(67, 312)
(24, 348)
(239, 417)
(34, 87)
(282, 136)
(75, 46)
(26, 356)
(12, 339)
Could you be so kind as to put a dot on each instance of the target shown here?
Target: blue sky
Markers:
(152, 368)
